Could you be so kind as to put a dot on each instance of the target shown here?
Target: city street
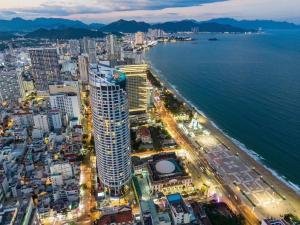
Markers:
(185, 143)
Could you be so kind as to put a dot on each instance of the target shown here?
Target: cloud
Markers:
(152, 10)
(5, 13)
(69, 7)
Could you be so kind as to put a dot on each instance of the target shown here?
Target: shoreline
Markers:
(291, 191)
(251, 153)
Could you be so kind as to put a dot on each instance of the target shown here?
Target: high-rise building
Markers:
(41, 122)
(88, 46)
(74, 47)
(139, 38)
(55, 120)
(83, 65)
(113, 48)
(155, 33)
(26, 85)
(9, 86)
(64, 87)
(45, 67)
(137, 87)
(65, 96)
(68, 103)
(111, 127)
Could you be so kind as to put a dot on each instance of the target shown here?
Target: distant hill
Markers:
(67, 33)
(256, 24)
(22, 25)
(133, 26)
(126, 26)
(64, 28)
(214, 25)
(188, 25)
(6, 36)
(96, 26)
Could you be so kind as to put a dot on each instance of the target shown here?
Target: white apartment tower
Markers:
(111, 127)
(66, 102)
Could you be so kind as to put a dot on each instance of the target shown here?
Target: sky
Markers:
(105, 11)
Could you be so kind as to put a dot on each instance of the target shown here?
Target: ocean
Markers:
(248, 85)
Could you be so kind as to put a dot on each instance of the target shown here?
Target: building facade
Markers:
(41, 122)
(83, 66)
(88, 46)
(137, 87)
(139, 38)
(9, 86)
(68, 103)
(45, 67)
(111, 127)
(74, 47)
(113, 48)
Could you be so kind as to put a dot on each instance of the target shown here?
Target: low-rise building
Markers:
(18, 212)
(143, 134)
(167, 171)
(151, 216)
(179, 210)
(273, 222)
(116, 216)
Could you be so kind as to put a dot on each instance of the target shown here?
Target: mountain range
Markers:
(67, 33)
(22, 25)
(57, 28)
(255, 24)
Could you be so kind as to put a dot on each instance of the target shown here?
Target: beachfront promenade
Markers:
(243, 181)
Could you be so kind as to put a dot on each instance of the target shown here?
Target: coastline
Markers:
(291, 191)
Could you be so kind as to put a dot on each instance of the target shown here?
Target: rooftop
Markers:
(177, 203)
(273, 222)
(106, 75)
(165, 166)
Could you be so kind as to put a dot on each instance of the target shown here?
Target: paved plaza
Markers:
(240, 174)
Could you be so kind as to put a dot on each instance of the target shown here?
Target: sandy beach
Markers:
(291, 204)
(292, 201)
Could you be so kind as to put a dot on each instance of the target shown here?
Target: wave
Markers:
(242, 146)
(259, 158)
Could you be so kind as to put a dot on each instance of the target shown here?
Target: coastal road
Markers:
(186, 144)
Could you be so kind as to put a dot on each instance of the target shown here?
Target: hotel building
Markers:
(137, 87)
(111, 127)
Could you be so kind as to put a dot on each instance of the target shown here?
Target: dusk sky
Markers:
(151, 10)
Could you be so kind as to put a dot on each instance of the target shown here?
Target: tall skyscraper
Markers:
(45, 67)
(111, 127)
(137, 87)
(83, 65)
(88, 46)
(74, 47)
(113, 48)
(139, 38)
